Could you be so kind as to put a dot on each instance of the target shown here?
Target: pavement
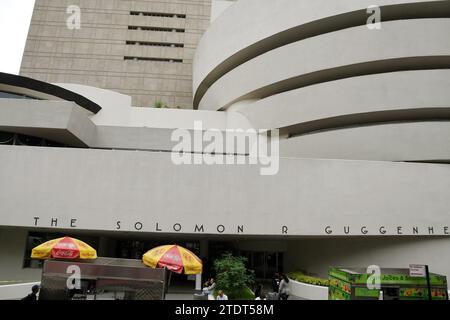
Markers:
(179, 296)
(181, 291)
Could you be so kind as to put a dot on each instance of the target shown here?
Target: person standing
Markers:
(284, 290)
(275, 282)
(33, 295)
(258, 290)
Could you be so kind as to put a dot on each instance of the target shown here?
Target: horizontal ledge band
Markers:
(48, 89)
(345, 72)
(366, 119)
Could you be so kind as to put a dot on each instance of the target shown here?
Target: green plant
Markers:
(159, 104)
(233, 277)
(302, 276)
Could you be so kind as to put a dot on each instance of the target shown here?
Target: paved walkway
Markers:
(179, 296)
(182, 291)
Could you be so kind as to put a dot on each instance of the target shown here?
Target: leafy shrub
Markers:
(160, 105)
(301, 276)
(233, 277)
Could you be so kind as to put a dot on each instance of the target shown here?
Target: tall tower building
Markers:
(141, 48)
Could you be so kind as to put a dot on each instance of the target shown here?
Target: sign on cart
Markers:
(417, 270)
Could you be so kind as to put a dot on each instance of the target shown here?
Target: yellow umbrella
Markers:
(174, 258)
(64, 248)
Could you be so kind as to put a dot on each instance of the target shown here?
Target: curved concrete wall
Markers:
(423, 89)
(409, 141)
(334, 88)
(308, 291)
(341, 54)
(42, 90)
(242, 32)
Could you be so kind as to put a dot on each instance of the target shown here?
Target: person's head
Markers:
(221, 293)
(285, 277)
(211, 280)
(277, 275)
(35, 289)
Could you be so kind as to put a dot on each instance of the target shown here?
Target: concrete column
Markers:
(198, 282)
(204, 251)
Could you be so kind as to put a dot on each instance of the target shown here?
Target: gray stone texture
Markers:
(94, 54)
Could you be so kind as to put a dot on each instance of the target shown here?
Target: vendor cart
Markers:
(394, 284)
(102, 279)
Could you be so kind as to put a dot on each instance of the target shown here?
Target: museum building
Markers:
(359, 120)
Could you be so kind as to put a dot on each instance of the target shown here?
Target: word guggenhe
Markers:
(384, 230)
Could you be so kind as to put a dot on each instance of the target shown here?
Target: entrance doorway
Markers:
(264, 263)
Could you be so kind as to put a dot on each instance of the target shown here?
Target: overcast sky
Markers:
(15, 18)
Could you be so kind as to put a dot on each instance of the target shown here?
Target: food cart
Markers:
(395, 284)
(102, 279)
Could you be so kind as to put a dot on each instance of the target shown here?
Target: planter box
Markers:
(308, 291)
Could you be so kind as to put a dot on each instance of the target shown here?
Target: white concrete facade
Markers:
(132, 187)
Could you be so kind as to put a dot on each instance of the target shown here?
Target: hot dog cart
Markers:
(102, 279)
